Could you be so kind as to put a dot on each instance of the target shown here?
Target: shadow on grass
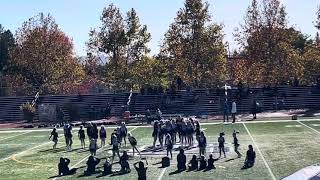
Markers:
(52, 150)
(176, 172)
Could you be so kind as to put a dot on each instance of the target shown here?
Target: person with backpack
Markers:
(133, 143)
(103, 135)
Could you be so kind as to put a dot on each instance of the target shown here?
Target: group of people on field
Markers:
(168, 132)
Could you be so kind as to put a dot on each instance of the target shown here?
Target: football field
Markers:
(282, 148)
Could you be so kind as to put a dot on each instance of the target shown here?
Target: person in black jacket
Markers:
(182, 159)
(82, 136)
(193, 164)
(125, 167)
(107, 167)
(211, 163)
(91, 165)
(103, 135)
(54, 135)
(63, 167)
(250, 158)
(133, 142)
(141, 170)
(203, 163)
(236, 143)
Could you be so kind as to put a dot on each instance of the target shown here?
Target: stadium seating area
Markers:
(195, 102)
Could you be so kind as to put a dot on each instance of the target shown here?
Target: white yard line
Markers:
(150, 126)
(25, 151)
(15, 135)
(162, 173)
(316, 131)
(85, 158)
(257, 147)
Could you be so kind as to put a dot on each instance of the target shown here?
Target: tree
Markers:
(193, 47)
(121, 41)
(6, 43)
(43, 57)
(271, 47)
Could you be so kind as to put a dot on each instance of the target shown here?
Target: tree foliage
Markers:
(43, 57)
(272, 47)
(193, 47)
(122, 42)
(6, 43)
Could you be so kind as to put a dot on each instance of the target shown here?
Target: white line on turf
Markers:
(149, 126)
(15, 135)
(22, 152)
(85, 158)
(256, 145)
(162, 173)
(309, 127)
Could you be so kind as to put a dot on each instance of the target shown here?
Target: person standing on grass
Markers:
(202, 143)
(183, 133)
(63, 167)
(169, 145)
(141, 170)
(82, 136)
(221, 142)
(254, 109)
(161, 133)
(103, 135)
(89, 131)
(197, 129)
(174, 131)
(236, 143)
(155, 133)
(54, 135)
(133, 143)
(123, 133)
(95, 131)
(190, 132)
(115, 146)
(234, 111)
(93, 147)
(69, 137)
(182, 160)
(65, 131)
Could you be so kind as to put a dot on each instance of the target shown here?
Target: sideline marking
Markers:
(162, 173)
(15, 136)
(150, 126)
(309, 127)
(265, 162)
(85, 158)
(22, 152)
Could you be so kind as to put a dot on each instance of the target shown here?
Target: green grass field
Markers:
(282, 148)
